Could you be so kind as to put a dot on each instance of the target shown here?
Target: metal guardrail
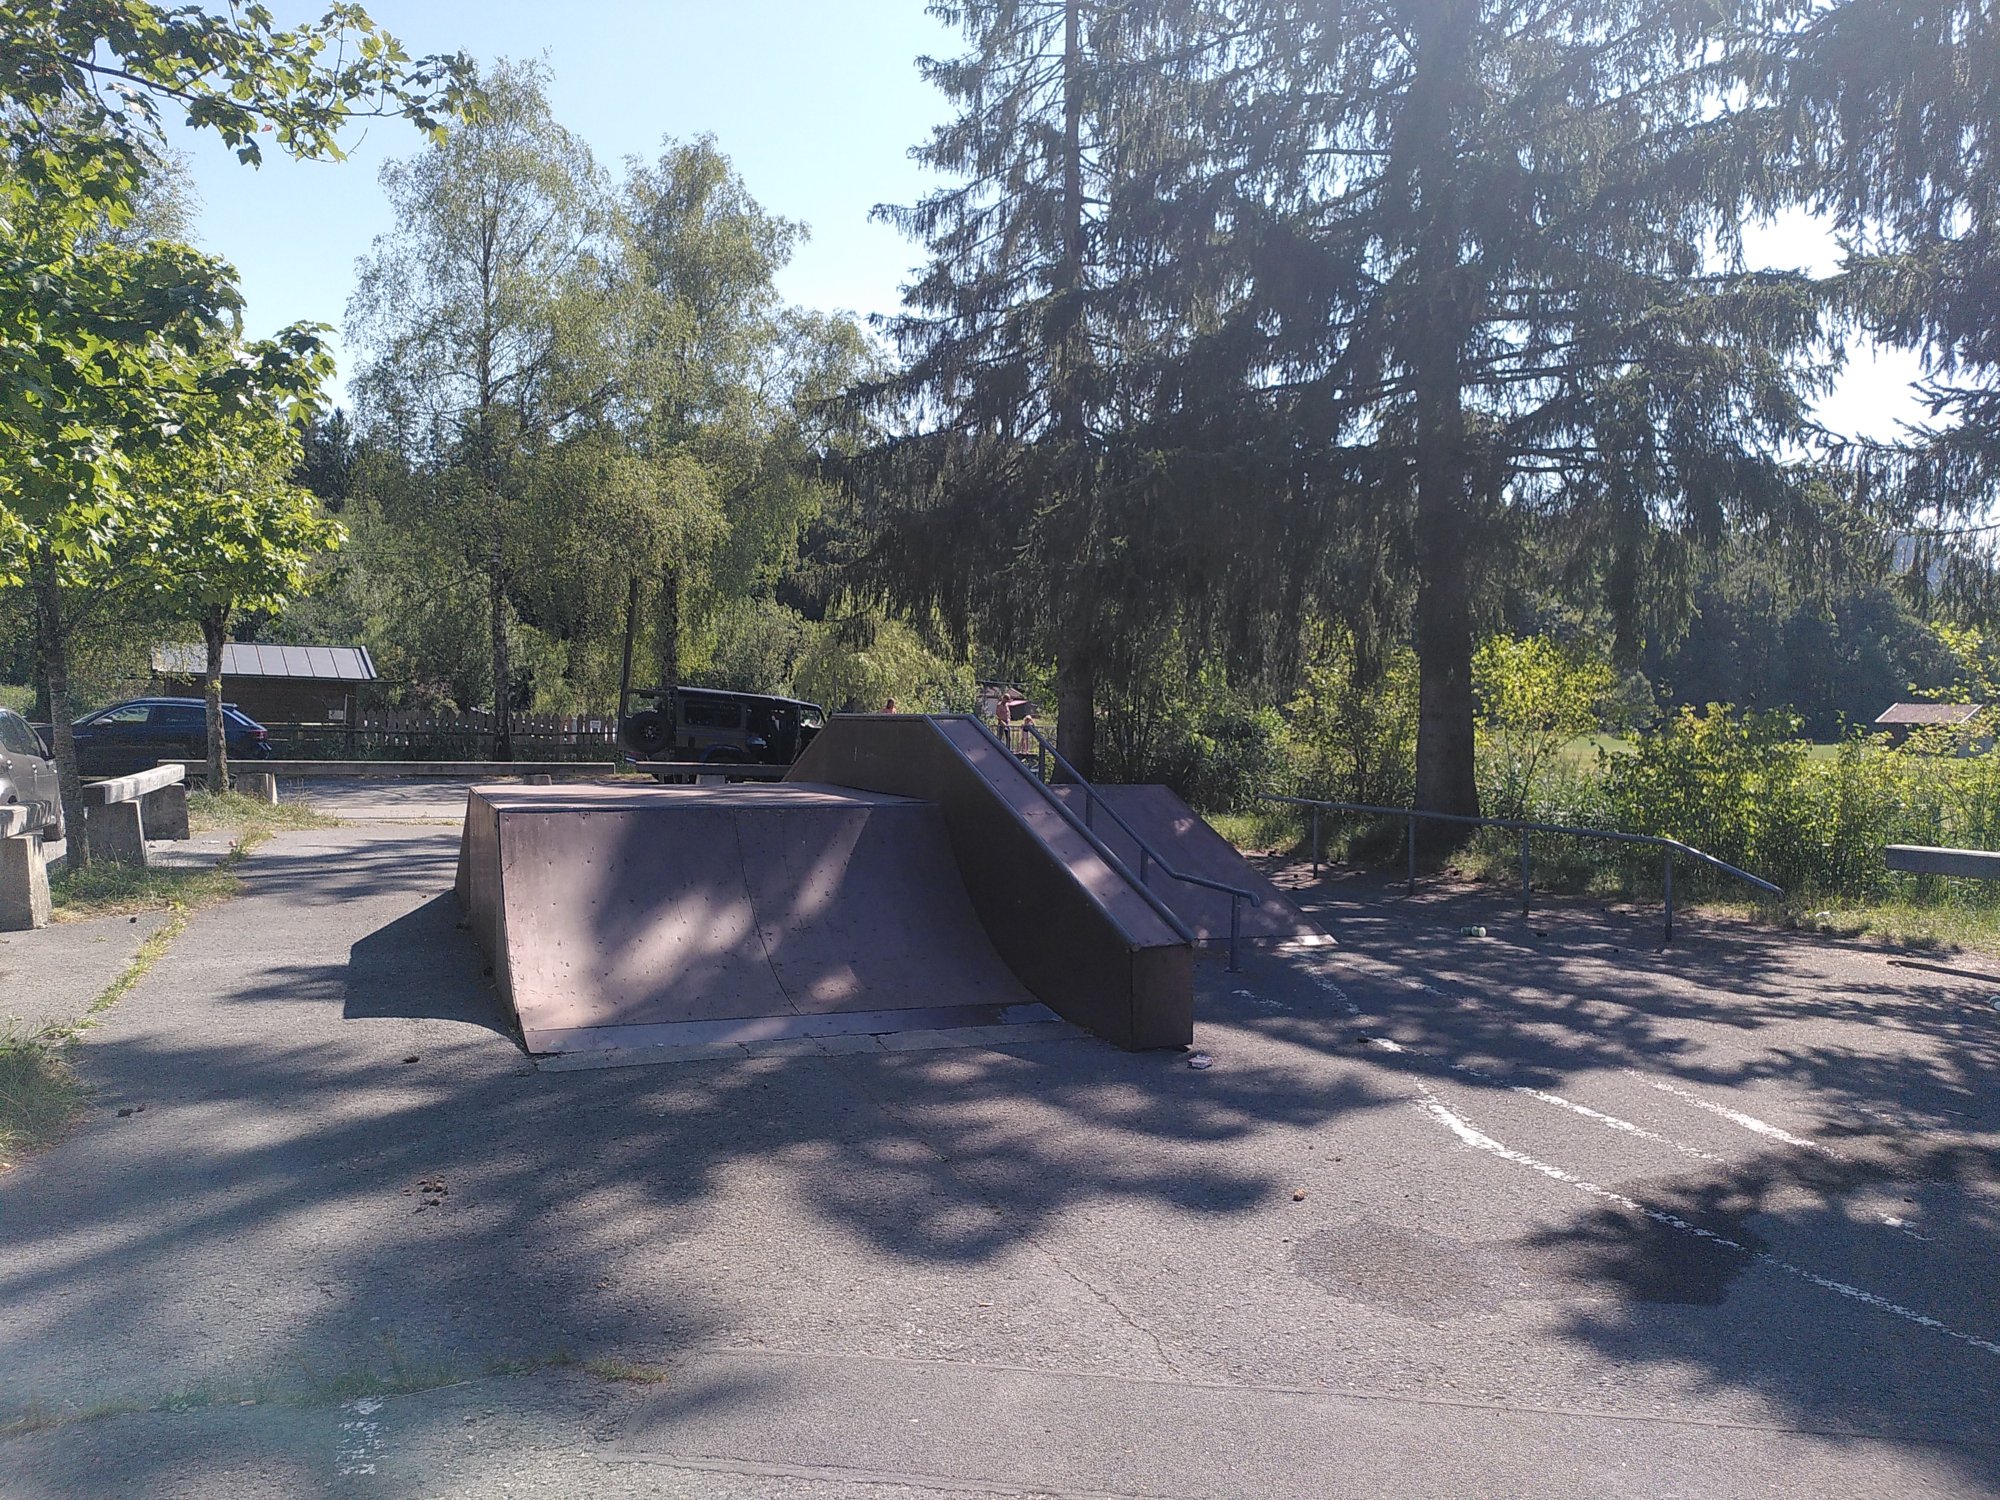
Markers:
(1148, 856)
(1668, 847)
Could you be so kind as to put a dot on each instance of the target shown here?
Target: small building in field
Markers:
(1905, 719)
(272, 684)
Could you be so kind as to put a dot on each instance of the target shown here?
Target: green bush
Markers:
(1231, 757)
(1354, 732)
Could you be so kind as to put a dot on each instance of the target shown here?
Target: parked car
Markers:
(134, 735)
(28, 775)
(713, 725)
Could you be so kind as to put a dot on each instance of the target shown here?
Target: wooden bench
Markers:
(24, 873)
(122, 812)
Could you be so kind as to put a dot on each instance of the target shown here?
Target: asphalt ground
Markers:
(1550, 1212)
(52, 976)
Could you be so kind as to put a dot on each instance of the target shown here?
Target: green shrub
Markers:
(1534, 696)
(1354, 731)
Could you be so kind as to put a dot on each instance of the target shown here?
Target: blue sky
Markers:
(817, 101)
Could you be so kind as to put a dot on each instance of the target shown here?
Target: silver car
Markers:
(27, 774)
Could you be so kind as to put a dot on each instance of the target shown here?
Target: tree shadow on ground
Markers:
(298, 1205)
(1827, 1248)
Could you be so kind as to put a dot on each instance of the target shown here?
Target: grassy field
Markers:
(1962, 916)
(1584, 748)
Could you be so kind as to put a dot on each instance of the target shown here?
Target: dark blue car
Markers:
(143, 732)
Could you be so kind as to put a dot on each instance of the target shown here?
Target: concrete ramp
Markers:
(674, 916)
(1083, 936)
(1181, 836)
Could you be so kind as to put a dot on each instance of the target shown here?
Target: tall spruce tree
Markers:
(1488, 275)
(1900, 102)
(1008, 418)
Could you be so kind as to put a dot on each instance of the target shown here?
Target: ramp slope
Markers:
(1181, 836)
(674, 915)
(1083, 938)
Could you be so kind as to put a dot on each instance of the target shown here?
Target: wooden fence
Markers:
(447, 734)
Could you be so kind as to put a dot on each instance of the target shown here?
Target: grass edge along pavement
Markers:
(317, 1391)
(40, 1092)
(1940, 925)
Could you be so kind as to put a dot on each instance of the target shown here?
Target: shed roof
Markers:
(250, 659)
(1928, 713)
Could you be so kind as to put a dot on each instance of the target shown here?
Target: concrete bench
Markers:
(121, 813)
(1921, 859)
(24, 873)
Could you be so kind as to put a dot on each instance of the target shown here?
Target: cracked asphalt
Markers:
(1553, 1212)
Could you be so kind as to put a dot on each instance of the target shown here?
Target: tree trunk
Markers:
(1076, 711)
(1446, 773)
(503, 677)
(1435, 349)
(52, 651)
(667, 634)
(214, 631)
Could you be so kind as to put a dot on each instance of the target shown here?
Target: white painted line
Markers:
(1557, 1101)
(1338, 994)
(360, 1439)
(1471, 1136)
(1737, 1117)
(1265, 1001)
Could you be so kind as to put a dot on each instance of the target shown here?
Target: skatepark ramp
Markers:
(1175, 832)
(676, 916)
(1086, 938)
(908, 875)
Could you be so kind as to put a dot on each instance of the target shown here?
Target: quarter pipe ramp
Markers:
(649, 916)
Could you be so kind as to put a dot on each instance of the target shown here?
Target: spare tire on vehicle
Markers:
(648, 732)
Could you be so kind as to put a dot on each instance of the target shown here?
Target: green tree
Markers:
(1490, 279)
(231, 534)
(483, 318)
(725, 392)
(1899, 103)
(1534, 698)
(1000, 488)
(101, 330)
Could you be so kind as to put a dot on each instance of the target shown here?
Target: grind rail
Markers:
(1148, 856)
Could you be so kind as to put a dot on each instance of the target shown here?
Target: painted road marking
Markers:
(1555, 1101)
(360, 1439)
(1737, 1117)
(1471, 1136)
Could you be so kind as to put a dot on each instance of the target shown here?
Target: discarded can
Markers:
(1201, 1060)
(1472, 932)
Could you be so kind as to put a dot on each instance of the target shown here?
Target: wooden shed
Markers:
(273, 684)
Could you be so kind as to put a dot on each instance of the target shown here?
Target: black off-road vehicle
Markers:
(714, 726)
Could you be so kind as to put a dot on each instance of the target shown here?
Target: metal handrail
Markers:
(1147, 854)
(1102, 849)
(1527, 829)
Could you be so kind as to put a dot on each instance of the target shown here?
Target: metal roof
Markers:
(1928, 713)
(251, 659)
